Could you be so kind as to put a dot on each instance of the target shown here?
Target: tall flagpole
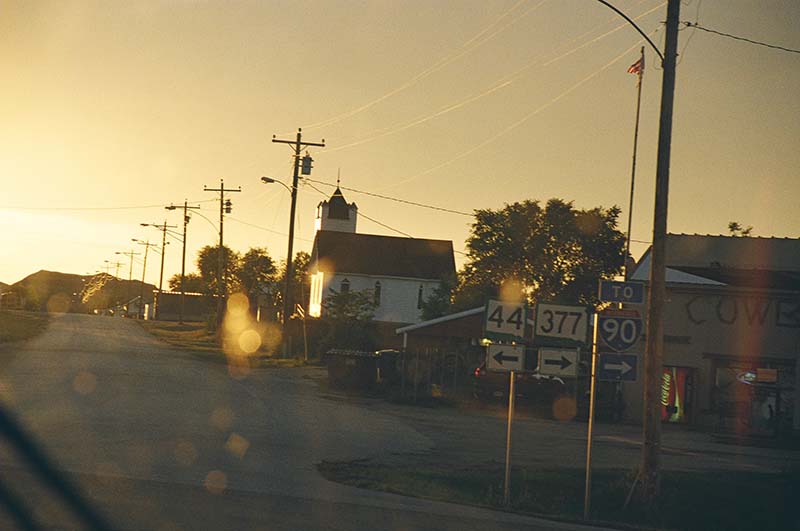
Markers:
(637, 68)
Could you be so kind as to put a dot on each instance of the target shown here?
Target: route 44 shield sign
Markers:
(620, 330)
(505, 320)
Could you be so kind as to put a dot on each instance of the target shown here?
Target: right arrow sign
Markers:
(558, 362)
(617, 367)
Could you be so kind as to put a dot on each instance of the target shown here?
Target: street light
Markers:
(288, 271)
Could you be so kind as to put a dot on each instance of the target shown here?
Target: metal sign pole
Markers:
(588, 490)
(507, 481)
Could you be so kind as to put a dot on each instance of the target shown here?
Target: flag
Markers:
(637, 67)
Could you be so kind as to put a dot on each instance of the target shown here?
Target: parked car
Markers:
(531, 387)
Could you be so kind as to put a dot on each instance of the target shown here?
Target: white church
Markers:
(401, 273)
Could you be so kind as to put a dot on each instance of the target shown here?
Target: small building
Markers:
(400, 273)
(731, 334)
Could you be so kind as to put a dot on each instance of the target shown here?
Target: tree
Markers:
(350, 315)
(257, 274)
(440, 301)
(301, 281)
(554, 253)
(737, 230)
(208, 264)
(194, 283)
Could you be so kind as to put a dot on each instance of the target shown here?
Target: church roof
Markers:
(338, 208)
(370, 254)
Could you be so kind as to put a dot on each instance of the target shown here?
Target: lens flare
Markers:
(222, 418)
(249, 341)
(216, 481)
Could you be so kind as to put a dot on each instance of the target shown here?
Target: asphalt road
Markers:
(157, 439)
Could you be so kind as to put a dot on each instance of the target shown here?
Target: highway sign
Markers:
(558, 361)
(564, 322)
(617, 367)
(505, 357)
(628, 291)
(505, 320)
(619, 329)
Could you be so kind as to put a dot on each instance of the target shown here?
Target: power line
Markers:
(133, 207)
(253, 225)
(498, 85)
(467, 47)
(361, 213)
(517, 123)
(736, 37)
(396, 199)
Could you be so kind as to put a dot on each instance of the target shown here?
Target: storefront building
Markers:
(731, 335)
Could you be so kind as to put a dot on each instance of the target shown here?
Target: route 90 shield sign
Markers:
(620, 330)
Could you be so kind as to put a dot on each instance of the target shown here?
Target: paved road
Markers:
(160, 440)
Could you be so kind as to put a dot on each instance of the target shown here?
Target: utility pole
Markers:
(297, 145)
(147, 246)
(130, 256)
(224, 207)
(163, 228)
(186, 208)
(654, 348)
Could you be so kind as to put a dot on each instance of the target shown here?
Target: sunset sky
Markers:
(113, 109)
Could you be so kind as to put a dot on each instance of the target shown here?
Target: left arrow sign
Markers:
(500, 358)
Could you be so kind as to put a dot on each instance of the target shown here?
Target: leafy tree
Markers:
(208, 264)
(257, 274)
(350, 315)
(194, 283)
(439, 302)
(737, 230)
(553, 253)
(301, 281)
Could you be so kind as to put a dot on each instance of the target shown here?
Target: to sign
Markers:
(505, 357)
(617, 367)
(565, 322)
(619, 329)
(614, 291)
(558, 361)
(505, 320)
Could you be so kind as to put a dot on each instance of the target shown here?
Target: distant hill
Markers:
(4, 286)
(64, 292)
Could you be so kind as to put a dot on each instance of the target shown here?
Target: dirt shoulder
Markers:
(548, 467)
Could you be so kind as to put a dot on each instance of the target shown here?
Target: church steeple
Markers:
(336, 213)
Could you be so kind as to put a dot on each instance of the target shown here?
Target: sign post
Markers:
(507, 478)
(587, 494)
(506, 321)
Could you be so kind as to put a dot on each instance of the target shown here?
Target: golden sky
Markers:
(112, 109)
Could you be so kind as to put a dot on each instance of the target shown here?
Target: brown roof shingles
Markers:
(370, 254)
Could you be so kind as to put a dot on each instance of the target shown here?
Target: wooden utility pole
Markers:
(163, 228)
(297, 145)
(650, 473)
(186, 208)
(223, 207)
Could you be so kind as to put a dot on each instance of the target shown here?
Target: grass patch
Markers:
(195, 337)
(690, 500)
(190, 336)
(19, 326)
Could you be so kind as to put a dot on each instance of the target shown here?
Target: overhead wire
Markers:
(498, 85)
(132, 207)
(736, 37)
(466, 48)
(361, 213)
(389, 198)
(517, 123)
